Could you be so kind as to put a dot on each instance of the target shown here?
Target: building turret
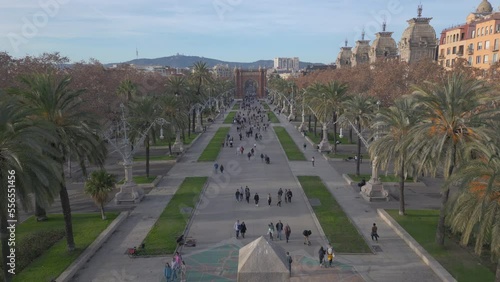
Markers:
(361, 51)
(418, 40)
(344, 57)
(384, 46)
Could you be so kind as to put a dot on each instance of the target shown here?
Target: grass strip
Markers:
(155, 158)
(463, 265)
(291, 149)
(141, 179)
(213, 148)
(229, 118)
(170, 225)
(383, 178)
(272, 117)
(337, 226)
(236, 107)
(48, 266)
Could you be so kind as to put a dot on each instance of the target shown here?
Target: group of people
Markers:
(175, 269)
(328, 252)
(218, 167)
(280, 229)
(240, 228)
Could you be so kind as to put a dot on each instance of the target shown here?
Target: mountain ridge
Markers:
(183, 61)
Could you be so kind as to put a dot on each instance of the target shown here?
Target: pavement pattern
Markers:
(215, 256)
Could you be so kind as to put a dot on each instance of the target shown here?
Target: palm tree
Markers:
(26, 162)
(475, 212)
(74, 130)
(98, 185)
(452, 118)
(392, 126)
(360, 108)
(176, 85)
(336, 94)
(172, 110)
(201, 75)
(128, 89)
(142, 115)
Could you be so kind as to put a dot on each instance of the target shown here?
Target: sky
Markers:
(113, 31)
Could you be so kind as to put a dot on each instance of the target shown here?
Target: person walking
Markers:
(168, 272)
(183, 272)
(241, 194)
(306, 234)
(286, 195)
(289, 195)
(305, 146)
(237, 228)
(237, 195)
(374, 232)
(330, 255)
(216, 167)
(279, 229)
(288, 231)
(261, 157)
(270, 230)
(269, 200)
(280, 193)
(312, 161)
(289, 260)
(247, 195)
(221, 169)
(174, 269)
(243, 229)
(256, 199)
(321, 254)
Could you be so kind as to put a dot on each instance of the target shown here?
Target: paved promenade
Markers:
(213, 259)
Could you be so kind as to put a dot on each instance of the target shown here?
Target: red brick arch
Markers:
(242, 76)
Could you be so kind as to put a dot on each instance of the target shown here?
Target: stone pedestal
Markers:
(198, 127)
(373, 191)
(291, 116)
(129, 192)
(178, 146)
(324, 146)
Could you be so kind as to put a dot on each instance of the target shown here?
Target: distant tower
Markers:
(418, 40)
(384, 46)
(360, 52)
(136, 53)
(344, 56)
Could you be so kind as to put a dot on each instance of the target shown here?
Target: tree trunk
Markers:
(334, 132)
(103, 215)
(194, 119)
(315, 124)
(497, 276)
(402, 190)
(350, 135)
(146, 141)
(201, 117)
(170, 147)
(189, 126)
(358, 160)
(309, 127)
(441, 228)
(40, 213)
(183, 136)
(66, 207)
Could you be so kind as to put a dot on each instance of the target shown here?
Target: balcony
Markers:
(441, 56)
(460, 53)
(470, 51)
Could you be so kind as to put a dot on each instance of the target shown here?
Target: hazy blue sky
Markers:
(232, 30)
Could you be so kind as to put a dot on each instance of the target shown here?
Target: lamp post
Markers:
(292, 114)
(324, 145)
(129, 191)
(302, 127)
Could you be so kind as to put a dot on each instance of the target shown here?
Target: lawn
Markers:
(266, 106)
(464, 266)
(236, 107)
(164, 142)
(229, 118)
(141, 179)
(383, 178)
(170, 225)
(292, 151)
(86, 228)
(213, 148)
(316, 139)
(272, 117)
(338, 228)
(154, 158)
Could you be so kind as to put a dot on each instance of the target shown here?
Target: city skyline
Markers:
(229, 30)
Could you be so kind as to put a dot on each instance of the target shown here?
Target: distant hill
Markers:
(182, 61)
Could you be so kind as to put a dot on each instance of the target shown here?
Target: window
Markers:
(448, 62)
(473, 34)
(461, 50)
(478, 59)
(482, 31)
(478, 32)
(470, 60)
(495, 57)
(486, 45)
(454, 50)
(486, 31)
(485, 59)
(479, 45)
(448, 51)
(498, 28)
(462, 36)
(495, 45)
(452, 62)
(491, 29)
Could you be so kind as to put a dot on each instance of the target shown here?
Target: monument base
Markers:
(129, 193)
(198, 128)
(374, 191)
(291, 117)
(177, 148)
(324, 146)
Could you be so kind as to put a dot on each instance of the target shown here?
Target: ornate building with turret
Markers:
(383, 47)
(344, 57)
(361, 52)
(418, 41)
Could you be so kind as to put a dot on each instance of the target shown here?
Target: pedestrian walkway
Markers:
(212, 225)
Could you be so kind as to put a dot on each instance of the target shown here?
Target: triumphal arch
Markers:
(250, 83)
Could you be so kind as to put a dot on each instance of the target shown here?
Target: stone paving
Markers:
(212, 225)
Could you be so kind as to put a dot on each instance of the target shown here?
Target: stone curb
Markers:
(439, 270)
(68, 274)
